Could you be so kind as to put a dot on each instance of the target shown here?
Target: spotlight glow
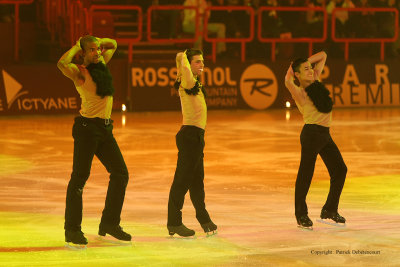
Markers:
(123, 107)
(288, 105)
(287, 115)
(123, 120)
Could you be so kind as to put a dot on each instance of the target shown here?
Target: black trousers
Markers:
(93, 137)
(189, 175)
(316, 139)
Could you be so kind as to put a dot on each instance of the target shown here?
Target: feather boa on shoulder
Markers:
(319, 95)
(101, 75)
(195, 90)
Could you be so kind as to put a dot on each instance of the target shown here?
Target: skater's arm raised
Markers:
(185, 70)
(178, 65)
(294, 90)
(319, 60)
(68, 68)
(108, 48)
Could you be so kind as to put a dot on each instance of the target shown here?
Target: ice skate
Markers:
(118, 235)
(181, 230)
(332, 218)
(209, 228)
(304, 222)
(75, 240)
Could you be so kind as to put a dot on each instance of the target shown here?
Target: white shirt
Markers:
(194, 109)
(311, 115)
(93, 105)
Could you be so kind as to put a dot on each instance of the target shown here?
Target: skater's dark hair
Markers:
(191, 52)
(85, 40)
(319, 95)
(297, 63)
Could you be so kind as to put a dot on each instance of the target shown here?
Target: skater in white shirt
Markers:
(189, 174)
(314, 102)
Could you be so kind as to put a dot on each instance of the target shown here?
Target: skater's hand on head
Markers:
(185, 53)
(78, 58)
(179, 58)
(78, 43)
(289, 72)
(294, 90)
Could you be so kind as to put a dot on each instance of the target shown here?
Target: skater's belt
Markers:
(99, 120)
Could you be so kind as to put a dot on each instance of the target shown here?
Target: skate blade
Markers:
(114, 241)
(73, 246)
(331, 222)
(211, 233)
(308, 228)
(176, 236)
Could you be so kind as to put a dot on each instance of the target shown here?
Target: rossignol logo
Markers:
(258, 86)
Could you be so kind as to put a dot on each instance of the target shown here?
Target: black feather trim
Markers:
(195, 90)
(319, 95)
(177, 84)
(101, 75)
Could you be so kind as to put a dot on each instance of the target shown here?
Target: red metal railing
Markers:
(63, 18)
(168, 40)
(16, 4)
(78, 21)
(51, 17)
(382, 41)
(275, 40)
(243, 41)
(56, 10)
(128, 41)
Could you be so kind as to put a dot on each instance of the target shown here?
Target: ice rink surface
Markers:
(251, 162)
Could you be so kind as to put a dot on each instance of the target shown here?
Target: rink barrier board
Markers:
(143, 86)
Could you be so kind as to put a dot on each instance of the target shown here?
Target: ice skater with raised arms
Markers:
(315, 104)
(92, 133)
(189, 174)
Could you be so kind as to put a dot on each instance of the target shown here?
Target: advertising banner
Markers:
(43, 89)
(28, 89)
(148, 86)
(363, 83)
(260, 86)
(228, 86)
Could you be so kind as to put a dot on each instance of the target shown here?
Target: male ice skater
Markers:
(189, 174)
(92, 133)
(314, 102)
